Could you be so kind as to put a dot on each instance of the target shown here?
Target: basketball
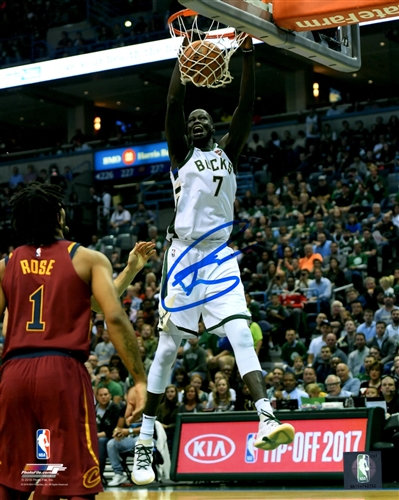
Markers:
(202, 63)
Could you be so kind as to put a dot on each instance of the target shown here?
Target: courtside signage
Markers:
(227, 447)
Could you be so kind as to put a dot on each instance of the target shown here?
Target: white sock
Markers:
(263, 405)
(147, 428)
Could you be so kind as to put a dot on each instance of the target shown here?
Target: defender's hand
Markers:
(139, 256)
(136, 399)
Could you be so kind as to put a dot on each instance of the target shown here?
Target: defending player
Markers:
(201, 270)
(46, 286)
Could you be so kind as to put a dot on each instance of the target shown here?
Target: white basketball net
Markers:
(214, 73)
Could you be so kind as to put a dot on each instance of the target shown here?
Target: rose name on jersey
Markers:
(34, 266)
(215, 164)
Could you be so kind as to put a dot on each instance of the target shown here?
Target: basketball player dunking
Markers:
(204, 184)
(46, 286)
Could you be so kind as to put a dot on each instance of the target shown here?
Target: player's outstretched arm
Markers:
(120, 329)
(138, 257)
(2, 297)
(175, 123)
(240, 125)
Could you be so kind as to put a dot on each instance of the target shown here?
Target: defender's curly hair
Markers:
(35, 211)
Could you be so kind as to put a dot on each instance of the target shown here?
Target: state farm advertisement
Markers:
(227, 447)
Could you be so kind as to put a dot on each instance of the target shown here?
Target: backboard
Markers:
(341, 53)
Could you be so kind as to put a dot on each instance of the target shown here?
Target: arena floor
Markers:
(239, 493)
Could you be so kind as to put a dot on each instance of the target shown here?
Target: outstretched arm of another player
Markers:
(2, 298)
(233, 142)
(138, 257)
(120, 331)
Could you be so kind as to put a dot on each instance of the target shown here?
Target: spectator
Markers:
(322, 364)
(105, 349)
(292, 348)
(390, 394)
(307, 262)
(375, 351)
(357, 312)
(149, 340)
(221, 397)
(358, 356)
(124, 439)
(191, 402)
(334, 253)
(322, 246)
(120, 218)
(167, 413)
(256, 143)
(194, 359)
(310, 377)
(375, 216)
(365, 368)
(313, 127)
(320, 290)
(104, 380)
(298, 368)
(347, 342)
(107, 416)
(278, 374)
(196, 381)
(291, 391)
(141, 219)
(386, 344)
(30, 175)
(244, 400)
(294, 302)
(276, 315)
(375, 372)
(65, 42)
(331, 341)
(357, 264)
(15, 179)
(333, 386)
(348, 383)
(393, 328)
(317, 343)
(257, 336)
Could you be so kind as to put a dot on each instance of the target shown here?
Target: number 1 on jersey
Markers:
(219, 180)
(37, 324)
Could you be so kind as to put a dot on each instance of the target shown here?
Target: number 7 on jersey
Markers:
(219, 180)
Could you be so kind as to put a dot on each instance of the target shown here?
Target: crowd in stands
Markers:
(320, 270)
(25, 26)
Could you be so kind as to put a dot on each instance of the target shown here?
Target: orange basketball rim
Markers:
(189, 13)
(310, 15)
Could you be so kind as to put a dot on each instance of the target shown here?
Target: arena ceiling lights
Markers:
(66, 67)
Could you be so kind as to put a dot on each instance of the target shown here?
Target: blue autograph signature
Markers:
(193, 269)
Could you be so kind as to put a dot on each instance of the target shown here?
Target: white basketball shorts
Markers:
(201, 278)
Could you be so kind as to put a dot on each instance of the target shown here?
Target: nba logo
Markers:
(38, 252)
(43, 444)
(251, 453)
(363, 468)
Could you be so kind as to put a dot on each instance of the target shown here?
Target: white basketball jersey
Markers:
(204, 188)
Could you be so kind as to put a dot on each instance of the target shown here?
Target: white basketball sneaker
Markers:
(142, 467)
(272, 433)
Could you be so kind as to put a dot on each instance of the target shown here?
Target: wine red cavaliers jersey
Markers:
(48, 303)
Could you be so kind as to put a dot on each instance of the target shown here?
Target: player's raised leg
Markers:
(272, 433)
